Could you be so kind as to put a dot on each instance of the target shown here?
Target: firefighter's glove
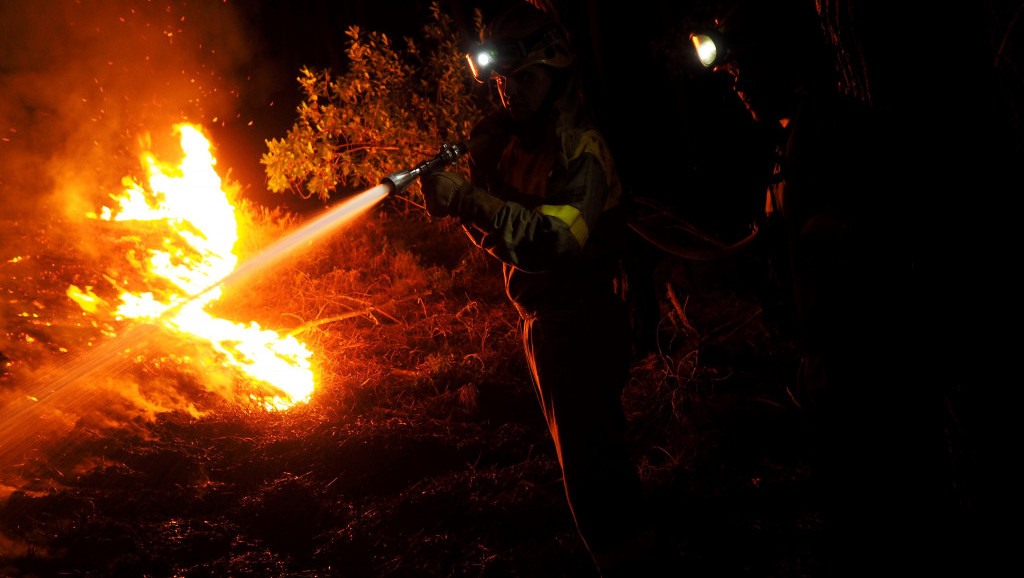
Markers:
(449, 194)
(443, 193)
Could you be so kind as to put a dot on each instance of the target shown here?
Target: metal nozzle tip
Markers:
(399, 181)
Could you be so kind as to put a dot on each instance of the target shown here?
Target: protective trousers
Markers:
(579, 358)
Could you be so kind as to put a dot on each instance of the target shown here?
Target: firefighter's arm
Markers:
(532, 238)
(539, 237)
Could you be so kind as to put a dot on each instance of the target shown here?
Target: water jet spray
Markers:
(52, 385)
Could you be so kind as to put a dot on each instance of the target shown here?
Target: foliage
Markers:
(391, 109)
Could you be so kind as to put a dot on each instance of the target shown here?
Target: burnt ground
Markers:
(422, 453)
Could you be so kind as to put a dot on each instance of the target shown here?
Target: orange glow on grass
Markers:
(191, 200)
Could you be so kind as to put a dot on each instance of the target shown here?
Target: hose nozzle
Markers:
(400, 181)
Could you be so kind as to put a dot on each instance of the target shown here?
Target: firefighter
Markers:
(840, 237)
(544, 198)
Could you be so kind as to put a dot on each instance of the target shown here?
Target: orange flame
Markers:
(192, 200)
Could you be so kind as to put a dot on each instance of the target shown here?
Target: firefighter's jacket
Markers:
(558, 226)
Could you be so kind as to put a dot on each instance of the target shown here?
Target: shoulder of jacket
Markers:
(588, 142)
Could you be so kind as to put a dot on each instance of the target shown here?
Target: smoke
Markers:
(83, 82)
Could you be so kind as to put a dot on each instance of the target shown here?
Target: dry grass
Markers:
(422, 453)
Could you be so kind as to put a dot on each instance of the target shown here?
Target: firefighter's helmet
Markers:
(516, 38)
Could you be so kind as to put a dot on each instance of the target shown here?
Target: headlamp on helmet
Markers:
(495, 57)
(710, 48)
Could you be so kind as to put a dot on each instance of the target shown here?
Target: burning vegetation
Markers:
(181, 274)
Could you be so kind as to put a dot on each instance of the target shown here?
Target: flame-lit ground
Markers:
(421, 453)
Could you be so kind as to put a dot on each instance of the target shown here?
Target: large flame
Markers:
(191, 199)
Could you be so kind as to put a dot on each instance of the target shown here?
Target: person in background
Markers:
(840, 239)
(544, 198)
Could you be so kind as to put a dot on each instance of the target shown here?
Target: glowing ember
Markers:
(191, 200)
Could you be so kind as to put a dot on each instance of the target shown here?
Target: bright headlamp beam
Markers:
(480, 63)
(707, 51)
